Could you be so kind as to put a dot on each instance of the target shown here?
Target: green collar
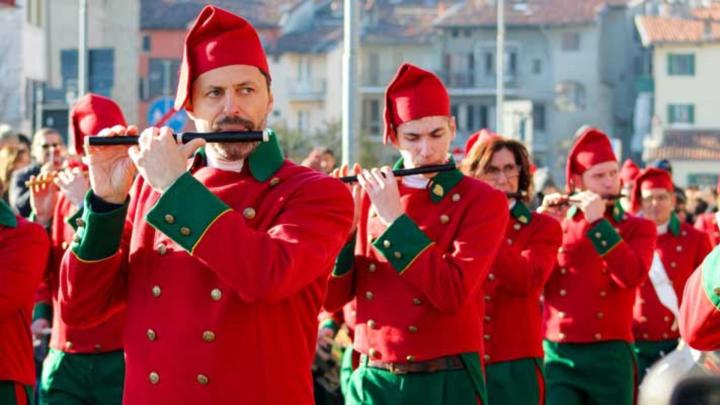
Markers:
(521, 212)
(263, 162)
(440, 185)
(674, 225)
(7, 217)
(618, 213)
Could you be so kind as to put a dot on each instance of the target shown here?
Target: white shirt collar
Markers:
(663, 228)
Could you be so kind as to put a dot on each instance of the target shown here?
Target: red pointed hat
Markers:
(479, 137)
(91, 114)
(629, 172)
(217, 38)
(649, 179)
(592, 147)
(412, 94)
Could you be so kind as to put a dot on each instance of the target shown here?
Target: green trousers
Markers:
(71, 378)
(457, 387)
(516, 382)
(648, 352)
(13, 393)
(602, 373)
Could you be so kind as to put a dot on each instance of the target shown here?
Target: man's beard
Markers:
(237, 150)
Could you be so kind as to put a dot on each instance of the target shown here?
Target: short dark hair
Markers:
(479, 157)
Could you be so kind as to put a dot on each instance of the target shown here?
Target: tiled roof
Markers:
(528, 12)
(319, 39)
(687, 145)
(712, 12)
(178, 14)
(656, 30)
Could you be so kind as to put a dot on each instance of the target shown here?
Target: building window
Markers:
(460, 69)
(162, 77)
(489, 63)
(484, 117)
(539, 117)
(537, 66)
(570, 96)
(371, 123)
(681, 114)
(146, 43)
(303, 120)
(101, 70)
(470, 117)
(511, 62)
(570, 41)
(681, 64)
(35, 10)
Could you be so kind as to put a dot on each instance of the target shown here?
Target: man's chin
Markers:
(234, 151)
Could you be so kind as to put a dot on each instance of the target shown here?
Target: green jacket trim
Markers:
(441, 184)
(98, 235)
(604, 237)
(345, 259)
(7, 216)
(402, 242)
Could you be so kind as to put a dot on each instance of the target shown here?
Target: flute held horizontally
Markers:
(185, 137)
(408, 172)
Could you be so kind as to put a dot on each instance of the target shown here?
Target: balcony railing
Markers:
(307, 89)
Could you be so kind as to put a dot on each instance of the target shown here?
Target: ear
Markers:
(578, 181)
(453, 128)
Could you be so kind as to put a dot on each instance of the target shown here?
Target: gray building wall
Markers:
(11, 21)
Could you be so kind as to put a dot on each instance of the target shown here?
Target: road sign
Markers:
(159, 107)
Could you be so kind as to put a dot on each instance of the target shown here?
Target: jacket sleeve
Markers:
(699, 310)
(23, 257)
(526, 271)
(299, 247)
(628, 260)
(448, 279)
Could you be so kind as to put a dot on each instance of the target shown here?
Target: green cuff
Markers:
(345, 260)
(604, 237)
(98, 234)
(402, 242)
(73, 219)
(330, 324)
(42, 310)
(186, 211)
(711, 277)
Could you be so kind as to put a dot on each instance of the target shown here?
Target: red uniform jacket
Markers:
(223, 277)
(513, 315)
(416, 281)
(699, 315)
(682, 249)
(707, 223)
(591, 292)
(103, 338)
(24, 250)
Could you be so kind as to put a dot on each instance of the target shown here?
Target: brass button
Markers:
(161, 249)
(509, 241)
(486, 357)
(665, 335)
(369, 295)
(202, 379)
(373, 353)
(249, 213)
(488, 298)
(488, 318)
(372, 267)
(456, 197)
(371, 324)
(517, 227)
(64, 245)
(563, 271)
(397, 255)
(274, 181)
(151, 335)
(491, 277)
(80, 222)
(77, 238)
(673, 264)
(599, 315)
(598, 235)
(562, 250)
(154, 377)
(444, 219)
(486, 337)
(717, 291)
(97, 347)
(598, 336)
(156, 291)
(667, 319)
(603, 293)
(561, 336)
(410, 358)
(679, 248)
(208, 336)
(417, 301)
(412, 329)
(645, 336)
(185, 231)
(563, 293)
(68, 345)
(603, 243)
(216, 294)
(561, 314)
(386, 243)
(169, 219)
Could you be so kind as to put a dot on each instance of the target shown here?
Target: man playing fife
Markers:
(221, 260)
(589, 297)
(680, 250)
(423, 247)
